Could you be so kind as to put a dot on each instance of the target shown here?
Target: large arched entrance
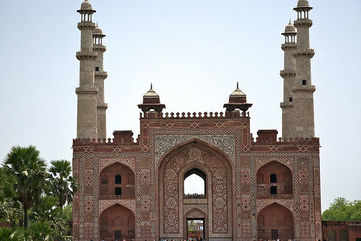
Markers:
(275, 222)
(215, 171)
(117, 223)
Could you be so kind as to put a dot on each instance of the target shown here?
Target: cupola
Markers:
(290, 33)
(303, 4)
(86, 11)
(237, 101)
(86, 6)
(151, 101)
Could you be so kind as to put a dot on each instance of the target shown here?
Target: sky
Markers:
(194, 52)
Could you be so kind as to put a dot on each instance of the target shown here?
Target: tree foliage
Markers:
(62, 184)
(343, 210)
(28, 173)
(35, 202)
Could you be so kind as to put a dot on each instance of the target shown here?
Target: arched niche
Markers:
(218, 171)
(117, 223)
(274, 178)
(275, 222)
(116, 182)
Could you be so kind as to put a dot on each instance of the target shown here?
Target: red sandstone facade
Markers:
(238, 204)
(259, 188)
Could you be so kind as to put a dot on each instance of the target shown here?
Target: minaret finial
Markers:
(290, 22)
(237, 85)
(151, 86)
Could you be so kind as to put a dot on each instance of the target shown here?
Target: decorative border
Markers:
(164, 143)
(129, 162)
(104, 204)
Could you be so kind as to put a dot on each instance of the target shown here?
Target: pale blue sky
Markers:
(189, 49)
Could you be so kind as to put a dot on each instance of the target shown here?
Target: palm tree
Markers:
(62, 184)
(29, 173)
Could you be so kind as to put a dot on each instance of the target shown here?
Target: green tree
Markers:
(343, 210)
(28, 173)
(10, 210)
(62, 184)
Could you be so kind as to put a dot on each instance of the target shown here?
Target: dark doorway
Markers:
(195, 229)
(118, 235)
(273, 190)
(275, 234)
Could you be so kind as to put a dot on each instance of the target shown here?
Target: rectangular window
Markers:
(118, 179)
(97, 69)
(118, 191)
(273, 178)
(274, 190)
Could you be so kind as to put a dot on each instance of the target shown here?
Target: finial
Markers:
(151, 86)
(289, 22)
(237, 85)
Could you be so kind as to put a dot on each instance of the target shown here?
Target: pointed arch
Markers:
(129, 162)
(275, 221)
(195, 141)
(217, 167)
(117, 223)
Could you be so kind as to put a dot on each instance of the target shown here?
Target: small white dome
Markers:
(98, 31)
(290, 28)
(302, 3)
(86, 6)
(151, 92)
(238, 92)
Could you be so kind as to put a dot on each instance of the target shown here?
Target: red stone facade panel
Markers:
(152, 173)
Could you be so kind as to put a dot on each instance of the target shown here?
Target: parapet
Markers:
(120, 138)
(194, 115)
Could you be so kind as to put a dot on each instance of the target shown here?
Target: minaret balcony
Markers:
(305, 52)
(86, 26)
(99, 47)
(303, 23)
(285, 74)
(284, 105)
(307, 88)
(288, 46)
(101, 74)
(86, 55)
(103, 106)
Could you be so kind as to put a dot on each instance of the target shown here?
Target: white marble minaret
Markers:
(87, 91)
